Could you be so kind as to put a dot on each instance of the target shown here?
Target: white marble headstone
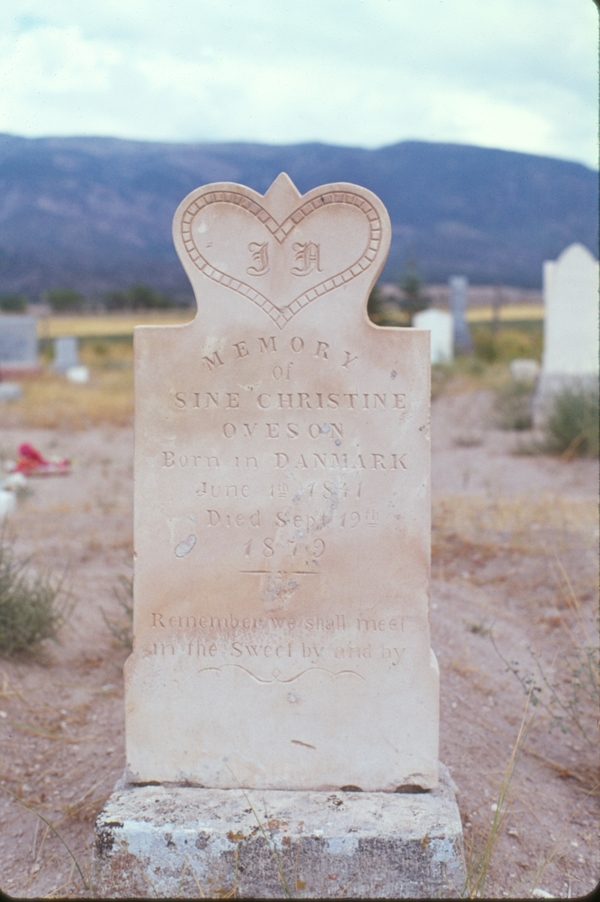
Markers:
(570, 357)
(18, 342)
(282, 505)
(458, 288)
(571, 313)
(441, 326)
(66, 353)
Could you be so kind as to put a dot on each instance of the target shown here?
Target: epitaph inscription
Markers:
(282, 509)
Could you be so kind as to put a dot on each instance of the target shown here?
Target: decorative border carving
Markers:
(276, 673)
(280, 231)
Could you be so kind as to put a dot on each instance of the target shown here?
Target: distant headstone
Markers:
(80, 375)
(10, 391)
(524, 370)
(282, 535)
(18, 343)
(441, 326)
(458, 286)
(570, 358)
(66, 353)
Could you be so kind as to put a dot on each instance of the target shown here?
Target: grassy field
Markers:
(50, 400)
(106, 348)
(110, 325)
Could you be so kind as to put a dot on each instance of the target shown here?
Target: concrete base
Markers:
(174, 841)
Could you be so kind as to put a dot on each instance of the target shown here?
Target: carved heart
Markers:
(281, 231)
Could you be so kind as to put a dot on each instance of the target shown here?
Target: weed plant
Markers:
(33, 606)
(568, 690)
(507, 342)
(122, 628)
(512, 406)
(479, 856)
(572, 426)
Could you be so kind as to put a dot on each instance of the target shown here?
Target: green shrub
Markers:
(411, 285)
(572, 424)
(13, 303)
(507, 343)
(32, 606)
(138, 297)
(63, 300)
(512, 406)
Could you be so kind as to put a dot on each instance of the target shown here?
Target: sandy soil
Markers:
(514, 575)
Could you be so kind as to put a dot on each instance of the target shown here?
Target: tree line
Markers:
(68, 300)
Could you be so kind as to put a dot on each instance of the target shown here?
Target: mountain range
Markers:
(95, 214)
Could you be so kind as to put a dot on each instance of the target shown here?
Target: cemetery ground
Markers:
(513, 619)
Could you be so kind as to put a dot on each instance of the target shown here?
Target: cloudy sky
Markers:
(514, 74)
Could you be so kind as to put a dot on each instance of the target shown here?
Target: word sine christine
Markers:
(301, 400)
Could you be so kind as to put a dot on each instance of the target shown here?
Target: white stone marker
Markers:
(282, 505)
(441, 326)
(570, 358)
(18, 343)
(66, 353)
(571, 313)
(458, 287)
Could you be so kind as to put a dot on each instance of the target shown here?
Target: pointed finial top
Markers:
(282, 196)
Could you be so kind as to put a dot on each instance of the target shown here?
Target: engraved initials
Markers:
(260, 256)
(307, 258)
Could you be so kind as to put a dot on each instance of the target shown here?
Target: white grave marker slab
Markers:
(441, 326)
(570, 358)
(282, 532)
(458, 287)
(18, 342)
(66, 353)
(571, 313)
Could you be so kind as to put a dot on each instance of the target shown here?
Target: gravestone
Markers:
(524, 370)
(282, 543)
(441, 326)
(458, 287)
(18, 344)
(66, 353)
(570, 357)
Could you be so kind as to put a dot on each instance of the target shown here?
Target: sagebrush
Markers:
(33, 605)
(572, 424)
(122, 628)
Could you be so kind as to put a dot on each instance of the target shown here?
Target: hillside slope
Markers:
(95, 213)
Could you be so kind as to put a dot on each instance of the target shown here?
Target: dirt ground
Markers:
(514, 582)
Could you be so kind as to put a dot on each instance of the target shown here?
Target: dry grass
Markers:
(469, 374)
(480, 853)
(518, 522)
(112, 324)
(50, 400)
(508, 313)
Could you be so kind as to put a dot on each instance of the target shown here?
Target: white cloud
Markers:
(520, 74)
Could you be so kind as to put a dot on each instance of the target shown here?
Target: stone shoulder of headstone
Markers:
(282, 505)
